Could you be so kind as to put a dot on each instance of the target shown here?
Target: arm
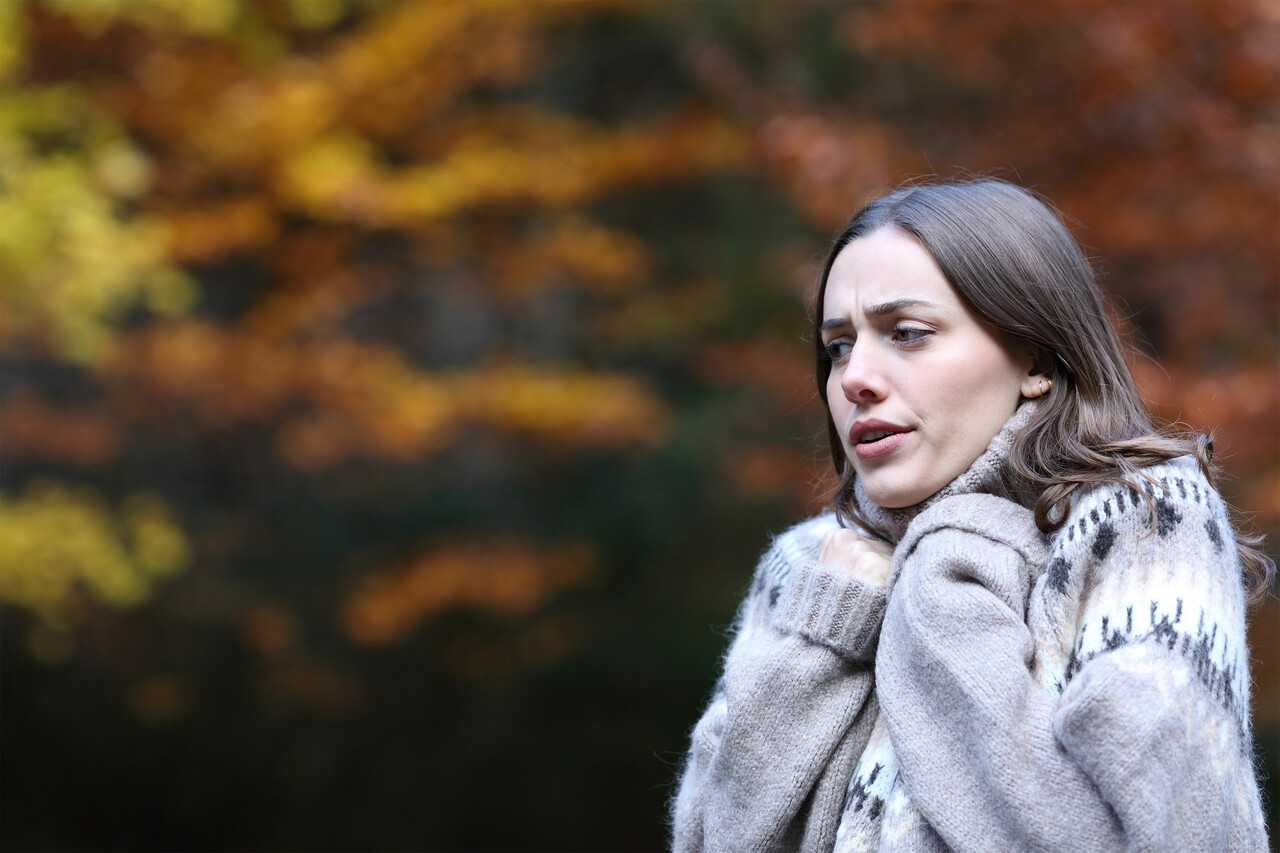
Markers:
(773, 752)
(1135, 753)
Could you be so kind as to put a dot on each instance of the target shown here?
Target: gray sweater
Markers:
(1005, 691)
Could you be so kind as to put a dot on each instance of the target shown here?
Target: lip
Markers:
(876, 448)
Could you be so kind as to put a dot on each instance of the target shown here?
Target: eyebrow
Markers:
(879, 310)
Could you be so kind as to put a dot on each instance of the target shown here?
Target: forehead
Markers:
(884, 266)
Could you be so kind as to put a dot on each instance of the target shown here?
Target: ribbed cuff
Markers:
(833, 608)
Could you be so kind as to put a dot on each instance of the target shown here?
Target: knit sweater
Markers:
(1005, 691)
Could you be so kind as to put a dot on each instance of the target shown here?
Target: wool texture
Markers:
(1005, 691)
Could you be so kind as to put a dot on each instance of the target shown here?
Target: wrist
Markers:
(833, 608)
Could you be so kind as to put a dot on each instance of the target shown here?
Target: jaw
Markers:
(900, 477)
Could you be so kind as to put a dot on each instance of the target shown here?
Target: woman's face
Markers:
(918, 385)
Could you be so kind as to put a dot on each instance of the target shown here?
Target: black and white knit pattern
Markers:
(1119, 575)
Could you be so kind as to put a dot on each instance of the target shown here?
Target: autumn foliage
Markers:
(394, 393)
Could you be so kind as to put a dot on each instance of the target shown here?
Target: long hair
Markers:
(1014, 265)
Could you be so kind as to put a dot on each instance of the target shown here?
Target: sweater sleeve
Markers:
(1138, 752)
(771, 756)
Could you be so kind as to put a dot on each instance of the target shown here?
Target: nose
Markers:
(862, 380)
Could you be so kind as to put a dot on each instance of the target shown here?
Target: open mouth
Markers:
(879, 442)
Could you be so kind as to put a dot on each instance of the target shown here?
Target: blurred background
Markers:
(396, 396)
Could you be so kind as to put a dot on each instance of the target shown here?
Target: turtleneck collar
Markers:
(987, 475)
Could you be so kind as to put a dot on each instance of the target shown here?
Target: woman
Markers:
(1023, 627)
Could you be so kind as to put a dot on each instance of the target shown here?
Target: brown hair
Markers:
(1014, 265)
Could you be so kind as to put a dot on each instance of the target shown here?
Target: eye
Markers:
(909, 334)
(838, 350)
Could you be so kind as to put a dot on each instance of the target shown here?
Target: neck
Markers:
(988, 474)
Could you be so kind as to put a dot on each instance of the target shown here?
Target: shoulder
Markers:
(1148, 567)
(1151, 559)
(1172, 501)
(788, 551)
(1166, 526)
(795, 546)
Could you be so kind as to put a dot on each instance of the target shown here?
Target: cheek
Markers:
(835, 395)
(946, 386)
(838, 407)
(971, 391)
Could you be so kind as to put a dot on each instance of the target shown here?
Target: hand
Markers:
(866, 559)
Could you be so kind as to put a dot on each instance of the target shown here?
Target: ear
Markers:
(1037, 382)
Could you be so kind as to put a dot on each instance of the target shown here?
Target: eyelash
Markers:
(920, 334)
(901, 335)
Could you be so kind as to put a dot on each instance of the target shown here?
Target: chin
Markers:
(891, 498)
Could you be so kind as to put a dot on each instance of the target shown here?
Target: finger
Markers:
(842, 547)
